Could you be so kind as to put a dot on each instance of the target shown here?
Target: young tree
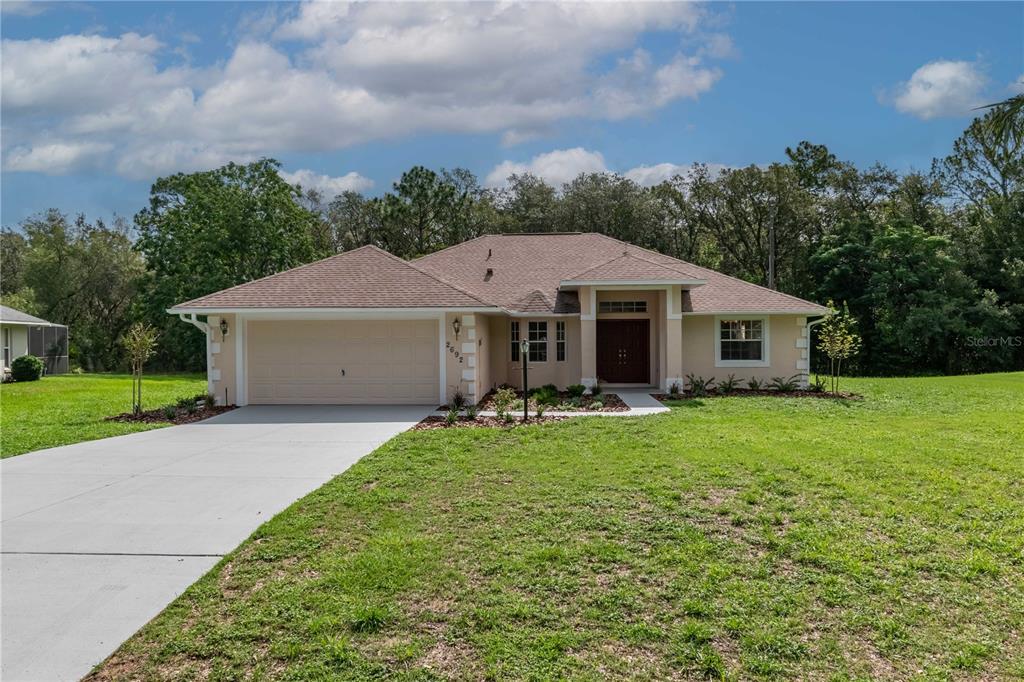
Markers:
(839, 340)
(139, 344)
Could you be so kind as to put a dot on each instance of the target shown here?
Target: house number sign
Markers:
(451, 349)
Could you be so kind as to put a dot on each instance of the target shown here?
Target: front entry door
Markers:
(624, 351)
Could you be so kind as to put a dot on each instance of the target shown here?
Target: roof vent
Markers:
(488, 254)
(490, 273)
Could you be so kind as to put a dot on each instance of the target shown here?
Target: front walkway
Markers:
(99, 537)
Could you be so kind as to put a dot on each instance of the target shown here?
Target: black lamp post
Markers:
(524, 350)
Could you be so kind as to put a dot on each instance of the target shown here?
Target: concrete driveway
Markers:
(98, 537)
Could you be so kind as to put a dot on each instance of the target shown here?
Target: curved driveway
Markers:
(98, 537)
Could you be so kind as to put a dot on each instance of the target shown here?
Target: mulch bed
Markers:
(438, 422)
(749, 393)
(612, 403)
(182, 416)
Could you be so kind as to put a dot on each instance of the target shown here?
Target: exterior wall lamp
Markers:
(456, 327)
(223, 328)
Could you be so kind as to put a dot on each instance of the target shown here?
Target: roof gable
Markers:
(367, 277)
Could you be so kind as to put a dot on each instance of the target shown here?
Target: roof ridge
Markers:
(452, 246)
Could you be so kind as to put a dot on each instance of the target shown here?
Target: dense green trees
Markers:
(931, 266)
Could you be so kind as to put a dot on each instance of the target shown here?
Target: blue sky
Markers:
(101, 99)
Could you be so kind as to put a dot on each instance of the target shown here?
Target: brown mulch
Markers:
(438, 422)
(612, 403)
(181, 417)
(749, 393)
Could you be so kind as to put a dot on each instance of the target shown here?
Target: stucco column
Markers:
(588, 336)
(673, 339)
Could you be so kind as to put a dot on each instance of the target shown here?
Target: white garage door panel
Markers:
(385, 361)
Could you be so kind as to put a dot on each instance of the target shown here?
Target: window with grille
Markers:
(538, 337)
(741, 340)
(560, 341)
(622, 307)
(514, 336)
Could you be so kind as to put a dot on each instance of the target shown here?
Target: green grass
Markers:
(69, 408)
(735, 538)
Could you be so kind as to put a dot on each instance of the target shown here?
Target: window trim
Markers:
(536, 345)
(766, 349)
(7, 347)
(561, 341)
(513, 335)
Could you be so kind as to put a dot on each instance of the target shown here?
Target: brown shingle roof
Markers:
(524, 263)
(366, 277)
(520, 273)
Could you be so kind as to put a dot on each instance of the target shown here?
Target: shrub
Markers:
(576, 402)
(209, 401)
(675, 389)
(452, 416)
(785, 385)
(170, 412)
(472, 411)
(729, 384)
(595, 405)
(551, 388)
(699, 386)
(818, 385)
(517, 405)
(77, 370)
(754, 384)
(458, 400)
(503, 400)
(541, 408)
(192, 407)
(545, 396)
(27, 368)
(183, 403)
(576, 390)
(595, 390)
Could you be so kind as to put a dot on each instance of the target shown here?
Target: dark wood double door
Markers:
(624, 351)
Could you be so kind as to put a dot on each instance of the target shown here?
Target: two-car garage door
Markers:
(343, 362)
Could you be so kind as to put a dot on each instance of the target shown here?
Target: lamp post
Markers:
(524, 352)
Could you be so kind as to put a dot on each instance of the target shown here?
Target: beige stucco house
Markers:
(368, 327)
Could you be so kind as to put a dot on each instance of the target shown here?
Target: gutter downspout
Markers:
(810, 346)
(205, 328)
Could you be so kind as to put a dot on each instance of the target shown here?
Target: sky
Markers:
(100, 99)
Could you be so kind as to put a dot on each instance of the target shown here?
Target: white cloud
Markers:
(1017, 86)
(55, 158)
(555, 167)
(23, 8)
(940, 88)
(327, 185)
(366, 71)
(648, 176)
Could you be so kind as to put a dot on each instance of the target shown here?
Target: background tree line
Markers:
(928, 262)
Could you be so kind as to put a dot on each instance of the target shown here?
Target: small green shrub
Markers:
(209, 401)
(192, 407)
(699, 386)
(183, 403)
(27, 368)
(472, 411)
(754, 384)
(784, 385)
(452, 416)
(541, 408)
(170, 412)
(818, 385)
(595, 405)
(517, 405)
(576, 402)
(503, 400)
(729, 384)
(595, 390)
(576, 390)
(77, 370)
(545, 396)
(551, 388)
(675, 389)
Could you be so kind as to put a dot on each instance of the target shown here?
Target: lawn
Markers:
(69, 408)
(736, 538)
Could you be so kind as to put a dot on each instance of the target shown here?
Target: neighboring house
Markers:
(368, 327)
(24, 334)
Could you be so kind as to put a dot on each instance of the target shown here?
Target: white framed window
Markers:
(537, 332)
(622, 307)
(741, 341)
(560, 341)
(514, 336)
(7, 347)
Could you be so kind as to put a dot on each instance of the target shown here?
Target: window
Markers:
(7, 347)
(742, 342)
(560, 341)
(622, 307)
(514, 335)
(538, 337)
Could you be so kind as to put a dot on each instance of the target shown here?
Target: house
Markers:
(24, 334)
(368, 327)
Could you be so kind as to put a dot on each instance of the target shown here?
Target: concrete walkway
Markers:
(98, 537)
